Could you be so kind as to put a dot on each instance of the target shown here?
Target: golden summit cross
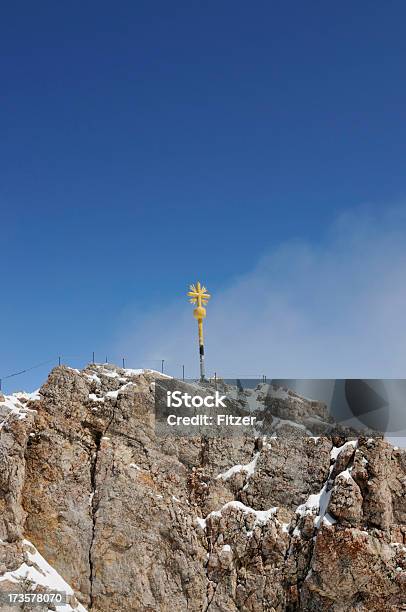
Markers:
(198, 295)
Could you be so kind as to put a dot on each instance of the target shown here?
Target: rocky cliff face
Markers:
(93, 503)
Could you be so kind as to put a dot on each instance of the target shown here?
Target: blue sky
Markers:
(145, 145)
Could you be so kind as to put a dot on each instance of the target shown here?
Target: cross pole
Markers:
(198, 295)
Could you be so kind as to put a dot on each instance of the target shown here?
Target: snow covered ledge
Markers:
(41, 577)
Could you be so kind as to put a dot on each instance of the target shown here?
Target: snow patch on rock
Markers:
(38, 571)
(248, 468)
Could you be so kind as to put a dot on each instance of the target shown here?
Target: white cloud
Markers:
(336, 309)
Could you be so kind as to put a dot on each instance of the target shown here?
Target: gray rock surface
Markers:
(136, 522)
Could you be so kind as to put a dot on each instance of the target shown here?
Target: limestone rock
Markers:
(346, 500)
(133, 521)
